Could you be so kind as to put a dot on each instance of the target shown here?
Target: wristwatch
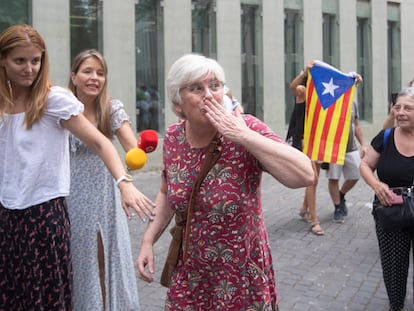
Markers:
(126, 177)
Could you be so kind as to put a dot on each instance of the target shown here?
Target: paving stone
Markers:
(338, 271)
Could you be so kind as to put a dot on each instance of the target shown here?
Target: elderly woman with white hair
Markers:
(225, 261)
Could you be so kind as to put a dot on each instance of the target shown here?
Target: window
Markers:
(204, 40)
(330, 40)
(330, 32)
(394, 50)
(85, 26)
(364, 59)
(15, 12)
(252, 59)
(149, 65)
(293, 54)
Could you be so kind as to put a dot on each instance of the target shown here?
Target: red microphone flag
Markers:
(148, 140)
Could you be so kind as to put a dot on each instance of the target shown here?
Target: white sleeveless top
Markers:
(34, 164)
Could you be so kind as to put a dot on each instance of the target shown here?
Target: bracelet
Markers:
(126, 177)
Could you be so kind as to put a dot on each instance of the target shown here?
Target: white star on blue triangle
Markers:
(330, 83)
(329, 88)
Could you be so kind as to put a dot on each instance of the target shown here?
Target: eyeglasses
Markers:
(198, 88)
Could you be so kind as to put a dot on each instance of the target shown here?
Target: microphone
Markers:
(135, 159)
(148, 140)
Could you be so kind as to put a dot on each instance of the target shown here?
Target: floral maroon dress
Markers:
(229, 262)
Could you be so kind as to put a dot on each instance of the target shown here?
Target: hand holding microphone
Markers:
(136, 158)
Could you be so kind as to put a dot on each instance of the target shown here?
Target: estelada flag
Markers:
(329, 97)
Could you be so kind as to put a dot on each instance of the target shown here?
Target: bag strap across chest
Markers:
(212, 156)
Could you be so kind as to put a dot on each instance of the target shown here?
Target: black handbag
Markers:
(397, 216)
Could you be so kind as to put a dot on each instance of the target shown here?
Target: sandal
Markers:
(304, 215)
(316, 228)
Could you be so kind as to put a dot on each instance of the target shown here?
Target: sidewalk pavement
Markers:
(338, 271)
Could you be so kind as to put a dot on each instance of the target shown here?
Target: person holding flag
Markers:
(332, 128)
(295, 138)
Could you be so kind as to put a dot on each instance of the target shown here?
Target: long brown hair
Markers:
(21, 36)
(102, 104)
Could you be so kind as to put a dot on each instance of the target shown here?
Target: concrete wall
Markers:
(119, 51)
(51, 20)
(177, 40)
(273, 65)
(379, 67)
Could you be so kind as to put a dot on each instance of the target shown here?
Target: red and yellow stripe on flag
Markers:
(326, 130)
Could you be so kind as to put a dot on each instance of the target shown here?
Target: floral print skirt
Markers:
(35, 258)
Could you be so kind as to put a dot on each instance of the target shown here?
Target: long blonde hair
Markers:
(102, 101)
(23, 36)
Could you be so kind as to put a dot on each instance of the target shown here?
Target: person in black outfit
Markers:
(393, 161)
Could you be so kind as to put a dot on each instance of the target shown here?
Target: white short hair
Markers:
(188, 69)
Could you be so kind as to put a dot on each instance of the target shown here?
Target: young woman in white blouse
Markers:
(35, 120)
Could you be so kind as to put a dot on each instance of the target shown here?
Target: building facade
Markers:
(262, 45)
